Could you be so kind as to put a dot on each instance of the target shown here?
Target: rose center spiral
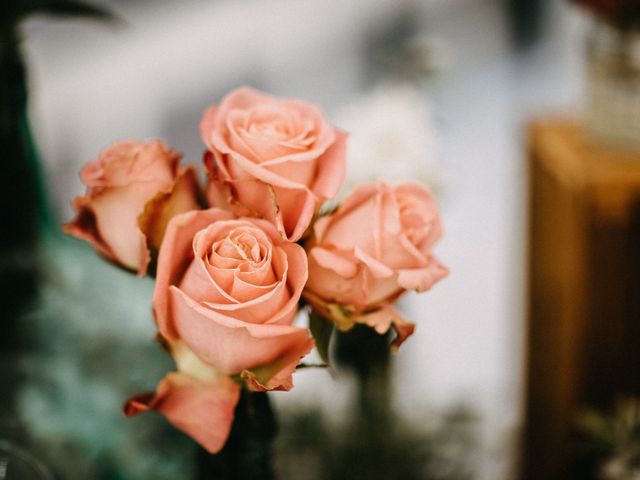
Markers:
(241, 248)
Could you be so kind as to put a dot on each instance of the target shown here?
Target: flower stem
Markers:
(247, 453)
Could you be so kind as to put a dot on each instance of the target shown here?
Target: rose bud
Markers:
(196, 399)
(272, 158)
(374, 247)
(229, 289)
(133, 189)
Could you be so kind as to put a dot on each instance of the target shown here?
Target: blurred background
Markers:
(444, 91)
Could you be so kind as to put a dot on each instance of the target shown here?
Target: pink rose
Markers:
(229, 289)
(272, 158)
(133, 189)
(196, 399)
(377, 245)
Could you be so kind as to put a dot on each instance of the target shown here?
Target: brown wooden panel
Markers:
(584, 296)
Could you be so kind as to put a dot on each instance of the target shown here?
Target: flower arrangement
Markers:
(623, 14)
(236, 261)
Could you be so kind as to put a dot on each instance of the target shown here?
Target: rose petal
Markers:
(166, 205)
(332, 168)
(352, 224)
(427, 205)
(326, 283)
(296, 211)
(271, 304)
(174, 258)
(218, 194)
(217, 338)
(202, 410)
(84, 228)
(208, 124)
(279, 374)
(386, 317)
(116, 213)
(241, 99)
(241, 167)
(341, 264)
(377, 269)
(421, 279)
(128, 162)
(300, 170)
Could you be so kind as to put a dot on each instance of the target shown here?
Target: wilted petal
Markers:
(421, 279)
(84, 227)
(202, 410)
(183, 197)
(386, 317)
(279, 374)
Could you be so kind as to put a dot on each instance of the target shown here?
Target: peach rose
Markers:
(196, 399)
(229, 289)
(272, 158)
(133, 189)
(377, 245)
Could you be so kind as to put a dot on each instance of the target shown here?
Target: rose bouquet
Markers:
(236, 261)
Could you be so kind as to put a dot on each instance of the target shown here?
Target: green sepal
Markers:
(322, 331)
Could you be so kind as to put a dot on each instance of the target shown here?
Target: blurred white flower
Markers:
(392, 137)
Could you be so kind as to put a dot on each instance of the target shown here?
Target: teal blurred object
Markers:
(23, 189)
(90, 347)
(61, 386)
(26, 211)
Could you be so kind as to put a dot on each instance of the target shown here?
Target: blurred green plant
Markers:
(373, 442)
(26, 211)
(438, 446)
(23, 193)
(612, 440)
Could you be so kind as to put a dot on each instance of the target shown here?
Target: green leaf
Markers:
(322, 330)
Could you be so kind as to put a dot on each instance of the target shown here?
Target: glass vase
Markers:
(613, 86)
(17, 464)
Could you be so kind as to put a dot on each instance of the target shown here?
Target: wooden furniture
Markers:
(583, 339)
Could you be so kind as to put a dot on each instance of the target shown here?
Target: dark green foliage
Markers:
(435, 447)
(608, 445)
(373, 442)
